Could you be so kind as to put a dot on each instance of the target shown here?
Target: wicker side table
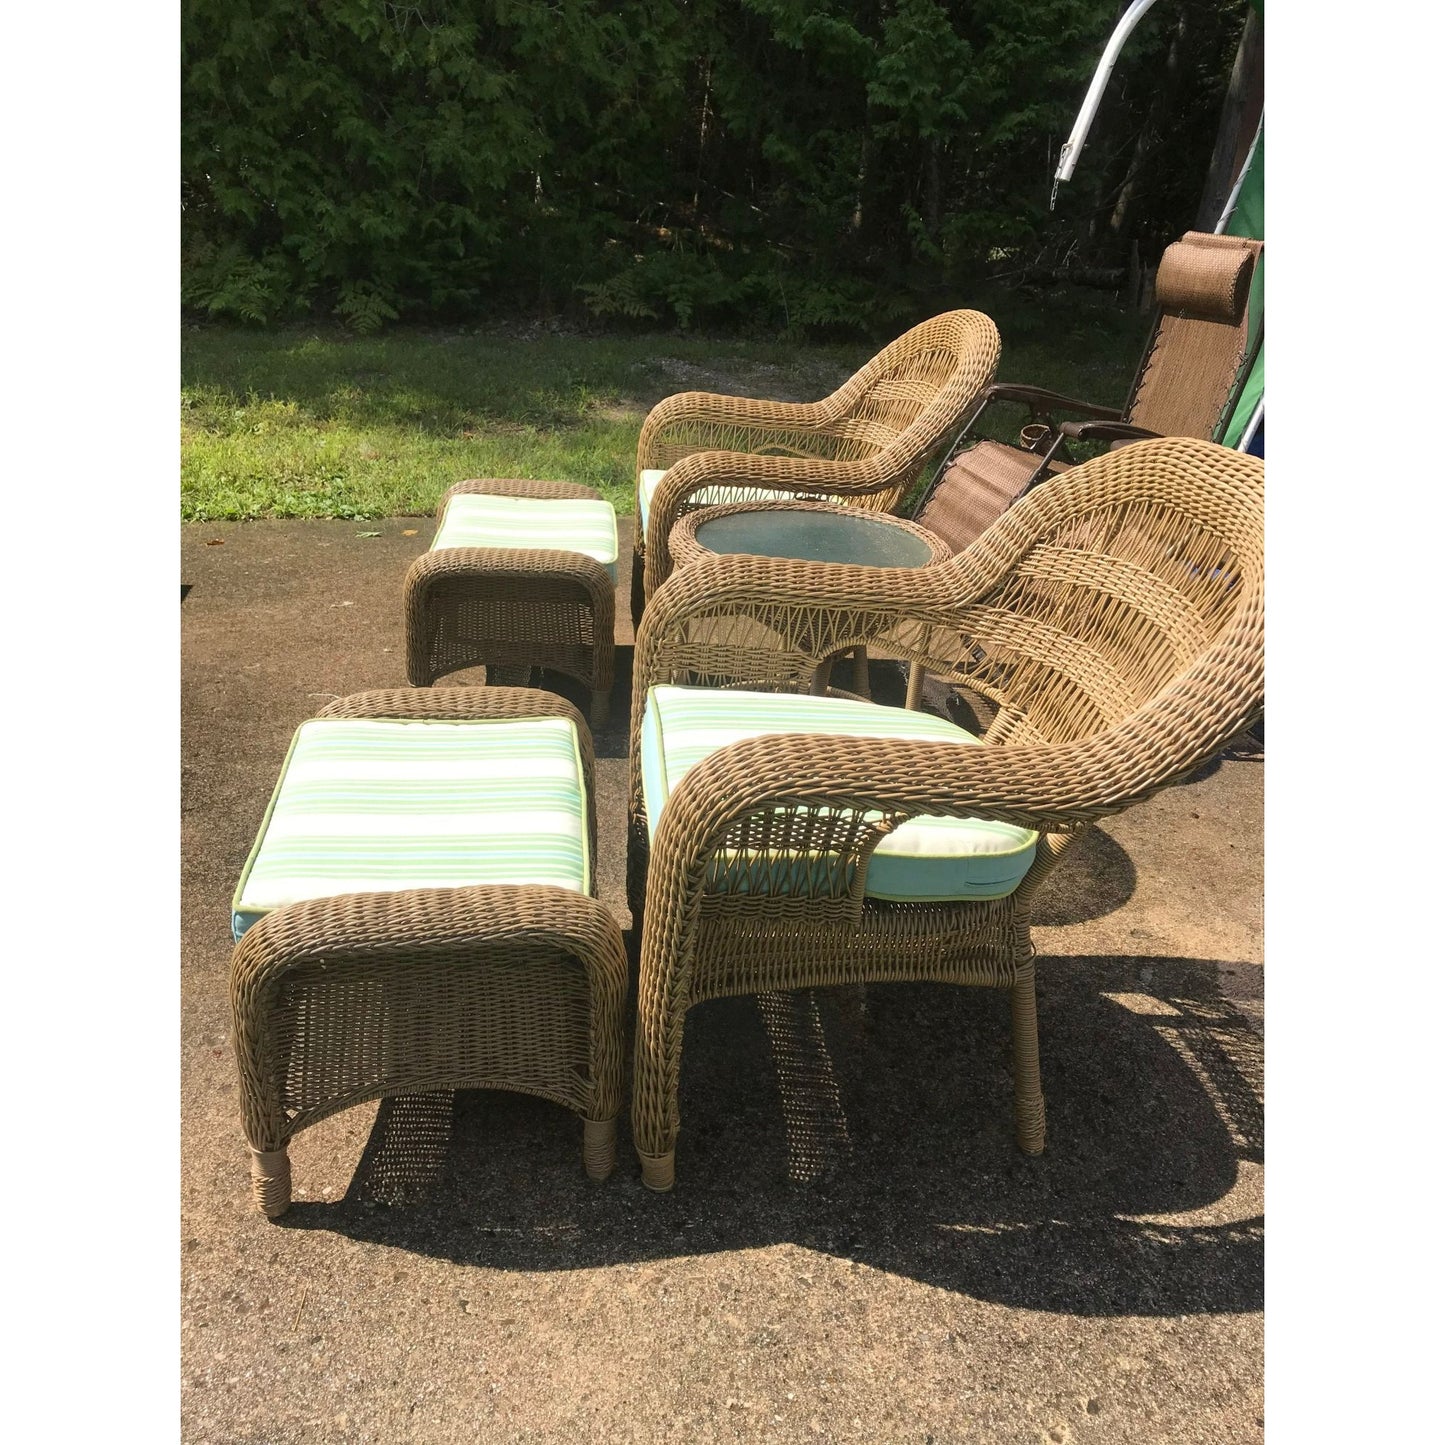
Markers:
(357, 996)
(811, 532)
(514, 607)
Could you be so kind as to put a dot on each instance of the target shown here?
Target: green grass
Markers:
(306, 423)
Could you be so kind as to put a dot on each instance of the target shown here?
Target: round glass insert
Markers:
(812, 536)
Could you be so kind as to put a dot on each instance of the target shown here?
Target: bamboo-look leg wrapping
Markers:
(1028, 1088)
(271, 1181)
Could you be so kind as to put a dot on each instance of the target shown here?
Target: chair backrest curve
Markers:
(1129, 576)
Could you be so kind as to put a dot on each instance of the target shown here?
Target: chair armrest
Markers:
(704, 469)
(768, 622)
(456, 704)
(743, 585)
(1105, 431)
(700, 415)
(1039, 400)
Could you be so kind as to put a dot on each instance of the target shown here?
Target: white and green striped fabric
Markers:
(560, 524)
(718, 496)
(369, 805)
(925, 860)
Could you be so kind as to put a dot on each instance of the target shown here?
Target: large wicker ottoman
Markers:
(520, 575)
(418, 914)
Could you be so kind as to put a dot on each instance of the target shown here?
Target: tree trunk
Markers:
(1243, 106)
(1159, 107)
(933, 196)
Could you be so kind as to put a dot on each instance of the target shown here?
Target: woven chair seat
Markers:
(926, 860)
(719, 496)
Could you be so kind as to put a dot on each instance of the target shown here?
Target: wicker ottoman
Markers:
(520, 575)
(416, 915)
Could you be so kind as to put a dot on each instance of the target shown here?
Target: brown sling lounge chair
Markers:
(1114, 617)
(1185, 386)
(866, 444)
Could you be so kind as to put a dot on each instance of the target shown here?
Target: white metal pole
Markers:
(1255, 418)
(1070, 150)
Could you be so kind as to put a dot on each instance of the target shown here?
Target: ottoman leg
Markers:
(271, 1181)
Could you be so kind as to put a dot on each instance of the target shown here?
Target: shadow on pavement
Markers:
(874, 1124)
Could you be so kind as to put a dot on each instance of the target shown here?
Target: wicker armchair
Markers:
(1114, 618)
(866, 443)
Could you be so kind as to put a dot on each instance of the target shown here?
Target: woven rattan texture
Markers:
(868, 441)
(1200, 343)
(1115, 617)
(505, 607)
(978, 487)
(340, 1000)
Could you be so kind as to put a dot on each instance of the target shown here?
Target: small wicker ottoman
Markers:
(520, 575)
(417, 915)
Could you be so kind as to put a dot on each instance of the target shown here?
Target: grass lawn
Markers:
(315, 423)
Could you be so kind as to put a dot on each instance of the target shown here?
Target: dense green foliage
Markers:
(797, 163)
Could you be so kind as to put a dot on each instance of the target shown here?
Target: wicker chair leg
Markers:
(1028, 1087)
(656, 1076)
(601, 708)
(860, 672)
(599, 1147)
(915, 686)
(657, 1170)
(271, 1181)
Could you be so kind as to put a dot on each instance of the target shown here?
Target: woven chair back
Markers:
(919, 383)
(1134, 573)
(1194, 357)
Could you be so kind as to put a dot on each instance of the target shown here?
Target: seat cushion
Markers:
(719, 496)
(925, 860)
(369, 805)
(552, 524)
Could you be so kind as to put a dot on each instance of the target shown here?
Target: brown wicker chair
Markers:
(1114, 618)
(866, 443)
(1186, 385)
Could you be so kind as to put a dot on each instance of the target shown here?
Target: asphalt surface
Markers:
(855, 1249)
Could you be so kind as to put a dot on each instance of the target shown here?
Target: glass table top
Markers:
(809, 536)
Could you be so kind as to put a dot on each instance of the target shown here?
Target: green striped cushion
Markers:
(718, 496)
(369, 805)
(560, 524)
(923, 860)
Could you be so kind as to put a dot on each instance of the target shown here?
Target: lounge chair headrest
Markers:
(1207, 276)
